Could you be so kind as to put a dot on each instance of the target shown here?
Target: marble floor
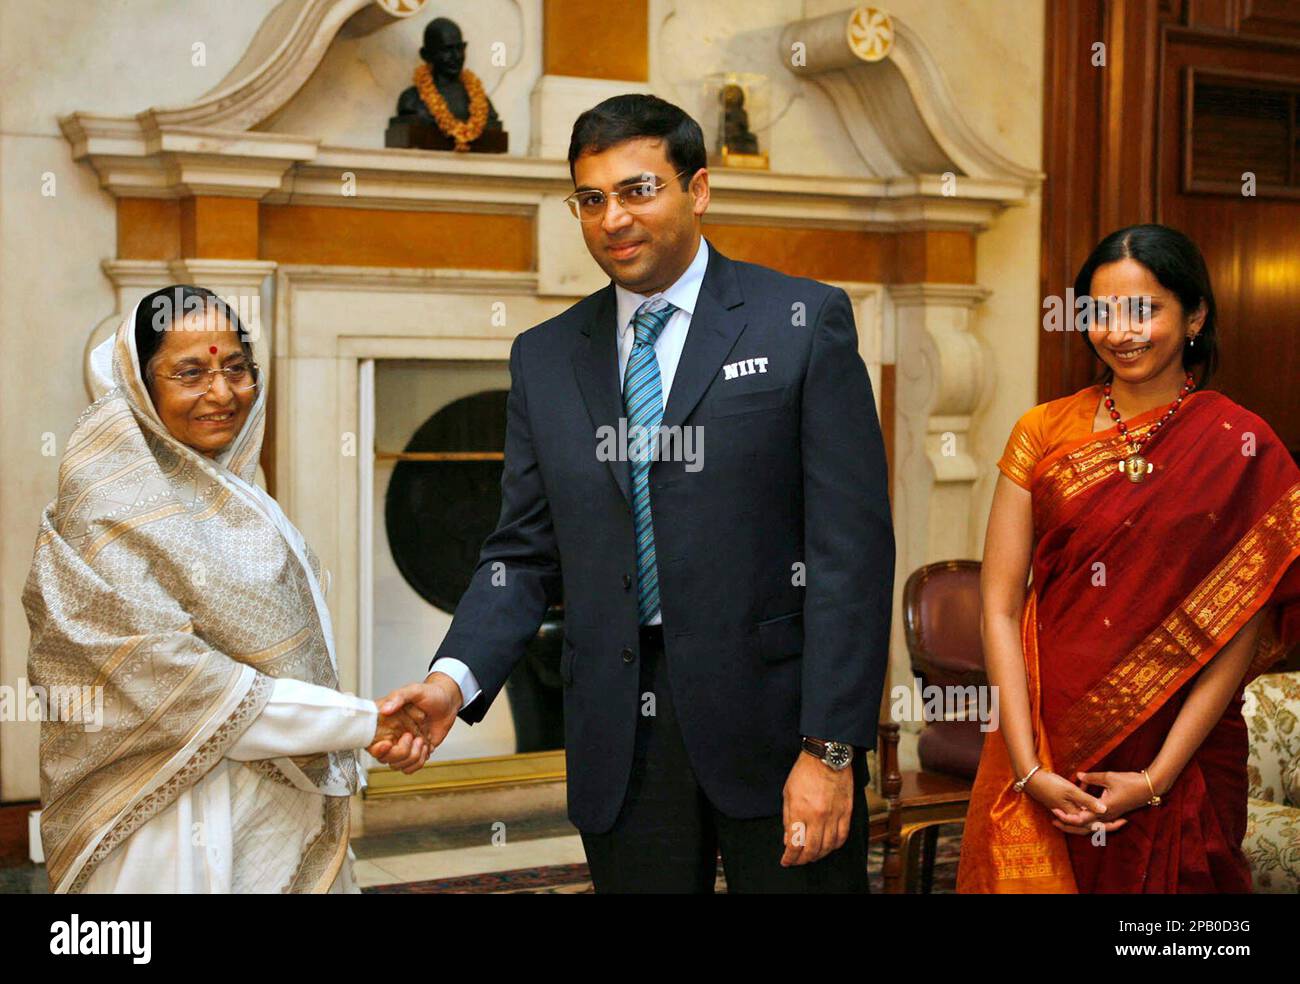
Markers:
(416, 855)
(24, 879)
(470, 850)
(456, 852)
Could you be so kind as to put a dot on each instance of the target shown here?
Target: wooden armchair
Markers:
(941, 619)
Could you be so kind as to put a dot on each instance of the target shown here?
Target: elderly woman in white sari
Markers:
(168, 582)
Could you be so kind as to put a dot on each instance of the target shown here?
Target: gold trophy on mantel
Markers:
(738, 109)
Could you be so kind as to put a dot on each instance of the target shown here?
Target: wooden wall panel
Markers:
(148, 229)
(826, 254)
(934, 257)
(382, 237)
(1212, 14)
(1099, 122)
(596, 39)
(14, 848)
(1128, 114)
(942, 256)
(1072, 191)
(1269, 18)
(215, 228)
(1250, 243)
(1112, 154)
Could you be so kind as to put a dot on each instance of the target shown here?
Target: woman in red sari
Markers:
(1161, 524)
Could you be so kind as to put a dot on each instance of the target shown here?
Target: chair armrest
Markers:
(1270, 709)
(1272, 845)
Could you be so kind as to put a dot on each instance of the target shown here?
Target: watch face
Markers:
(838, 754)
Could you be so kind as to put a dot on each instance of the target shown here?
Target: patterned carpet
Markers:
(573, 879)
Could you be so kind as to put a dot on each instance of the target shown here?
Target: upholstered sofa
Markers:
(1272, 714)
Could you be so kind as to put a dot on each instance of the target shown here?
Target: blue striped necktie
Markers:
(643, 402)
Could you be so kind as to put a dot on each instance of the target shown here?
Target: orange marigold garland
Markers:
(464, 132)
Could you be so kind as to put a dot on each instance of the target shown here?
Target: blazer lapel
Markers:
(596, 366)
(716, 323)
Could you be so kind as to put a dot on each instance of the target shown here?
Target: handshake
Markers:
(413, 721)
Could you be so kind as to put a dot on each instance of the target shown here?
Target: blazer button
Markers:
(628, 656)
(627, 582)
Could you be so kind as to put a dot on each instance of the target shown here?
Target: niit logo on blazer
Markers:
(745, 367)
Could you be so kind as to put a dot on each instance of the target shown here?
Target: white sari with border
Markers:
(227, 754)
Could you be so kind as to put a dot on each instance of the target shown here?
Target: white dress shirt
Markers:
(683, 294)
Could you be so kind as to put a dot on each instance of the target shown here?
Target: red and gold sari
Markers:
(1135, 587)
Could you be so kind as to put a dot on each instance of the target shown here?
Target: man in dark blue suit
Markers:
(694, 464)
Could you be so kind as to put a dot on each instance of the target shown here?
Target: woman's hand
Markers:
(1072, 806)
(402, 732)
(1124, 792)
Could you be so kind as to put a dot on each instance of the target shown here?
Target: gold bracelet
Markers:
(1154, 800)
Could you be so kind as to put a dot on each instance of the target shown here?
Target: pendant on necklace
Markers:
(1136, 467)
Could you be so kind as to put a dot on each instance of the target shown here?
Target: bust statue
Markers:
(446, 95)
(737, 138)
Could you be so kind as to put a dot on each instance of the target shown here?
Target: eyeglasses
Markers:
(589, 205)
(240, 376)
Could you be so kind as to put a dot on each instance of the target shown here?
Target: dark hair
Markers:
(1174, 260)
(158, 310)
(628, 117)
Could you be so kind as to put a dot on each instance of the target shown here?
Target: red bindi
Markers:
(212, 349)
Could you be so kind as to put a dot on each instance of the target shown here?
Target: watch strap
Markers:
(816, 747)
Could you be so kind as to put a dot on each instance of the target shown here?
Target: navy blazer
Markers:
(775, 557)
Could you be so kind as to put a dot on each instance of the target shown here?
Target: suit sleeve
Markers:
(518, 570)
(848, 537)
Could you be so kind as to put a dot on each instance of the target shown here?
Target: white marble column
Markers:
(941, 381)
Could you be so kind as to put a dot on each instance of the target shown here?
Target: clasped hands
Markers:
(413, 721)
(1076, 811)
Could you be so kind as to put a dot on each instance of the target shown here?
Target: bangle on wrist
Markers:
(1155, 799)
(1019, 784)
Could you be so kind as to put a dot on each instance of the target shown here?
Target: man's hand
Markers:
(404, 730)
(818, 803)
(433, 706)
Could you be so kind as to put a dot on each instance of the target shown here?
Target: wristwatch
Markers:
(836, 754)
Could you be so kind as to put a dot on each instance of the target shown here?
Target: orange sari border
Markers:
(1076, 466)
(1111, 433)
(1225, 600)
(1009, 845)
(1072, 473)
